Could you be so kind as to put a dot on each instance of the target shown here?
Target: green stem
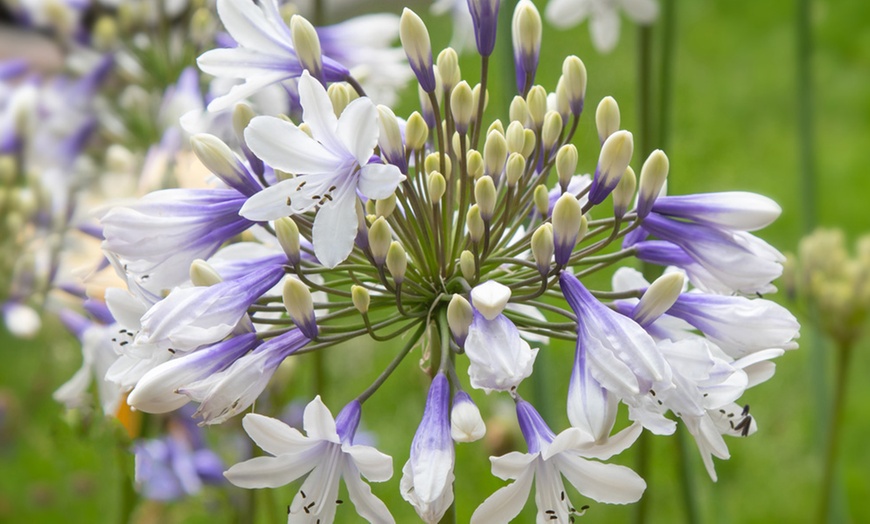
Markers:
(393, 365)
(687, 477)
(641, 509)
(844, 354)
(805, 116)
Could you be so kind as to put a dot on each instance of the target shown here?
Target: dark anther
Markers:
(745, 410)
(550, 512)
(288, 509)
(172, 351)
(123, 342)
(288, 201)
(563, 495)
(652, 392)
(302, 493)
(339, 501)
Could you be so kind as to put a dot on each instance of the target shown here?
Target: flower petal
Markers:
(284, 146)
(374, 465)
(271, 472)
(318, 113)
(358, 129)
(608, 483)
(335, 228)
(511, 465)
(604, 28)
(318, 422)
(366, 504)
(506, 503)
(379, 181)
(274, 436)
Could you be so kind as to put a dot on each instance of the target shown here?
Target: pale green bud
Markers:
(475, 164)
(552, 130)
(415, 40)
(371, 210)
(361, 298)
(543, 247)
(658, 298)
(119, 159)
(526, 29)
(104, 35)
(624, 192)
(542, 200)
(380, 238)
(496, 125)
(242, 116)
(462, 106)
(566, 165)
(202, 24)
(614, 158)
(339, 96)
(474, 223)
(457, 143)
(385, 206)
(460, 314)
(537, 104)
(437, 186)
(574, 73)
(563, 103)
(516, 137)
(519, 110)
(448, 68)
(288, 237)
(485, 194)
(300, 306)
(466, 264)
(516, 167)
(397, 261)
(495, 154)
(653, 175)
(219, 158)
(433, 163)
(305, 128)
(202, 274)
(307, 45)
(529, 142)
(390, 137)
(416, 132)
(567, 218)
(607, 118)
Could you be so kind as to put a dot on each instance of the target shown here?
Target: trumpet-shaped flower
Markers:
(550, 457)
(330, 168)
(327, 452)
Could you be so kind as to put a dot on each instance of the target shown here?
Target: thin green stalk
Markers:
(844, 355)
(393, 365)
(687, 477)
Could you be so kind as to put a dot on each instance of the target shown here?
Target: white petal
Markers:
(604, 27)
(270, 203)
(318, 422)
(506, 503)
(379, 181)
(512, 465)
(613, 445)
(366, 504)
(571, 438)
(374, 465)
(284, 146)
(490, 298)
(271, 472)
(566, 13)
(608, 483)
(358, 129)
(335, 228)
(274, 436)
(248, 25)
(641, 11)
(318, 113)
(244, 90)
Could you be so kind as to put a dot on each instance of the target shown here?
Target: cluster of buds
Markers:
(835, 284)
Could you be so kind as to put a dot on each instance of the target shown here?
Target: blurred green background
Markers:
(734, 126)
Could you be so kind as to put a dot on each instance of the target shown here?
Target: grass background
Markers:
(734, 127)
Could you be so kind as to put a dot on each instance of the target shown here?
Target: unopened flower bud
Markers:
(466, 264)
(448, 68)
(466, 424)
(426, 107)
(462, 106)
(307, 46)
(371, 215)
(516, 167)
(537, 104)
(475, 98)
(397, 261)
(552, 130)
(416, 132)
(607, 118)
(220, 160)
(614, 158)
(418, 48)
(495, 154)
(433, 163)
(515, 137)
(519, 110)
(485, 194)
(339, 96)
(288, 237)
(543, 247)
(460, 315)
(203, 274)
(623, 194)
(490, 298)
(474, 223)
(361, 298)
(496, 125)
(380, 238)
(437, 186)
(658, 298)
(566, 165)
(104, 35)
(653, 175)
(574, 73)
(385, 206)
(527, 30)
(529, 142)
(542, 200)
(390, 138)
(300, 306)
(567, 218)
(563, 103)
(475, 164)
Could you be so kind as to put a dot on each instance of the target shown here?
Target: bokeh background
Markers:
(732, 123)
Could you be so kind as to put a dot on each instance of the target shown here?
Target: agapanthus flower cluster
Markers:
(469, 238)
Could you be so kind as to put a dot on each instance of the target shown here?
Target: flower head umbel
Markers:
(327, 452)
